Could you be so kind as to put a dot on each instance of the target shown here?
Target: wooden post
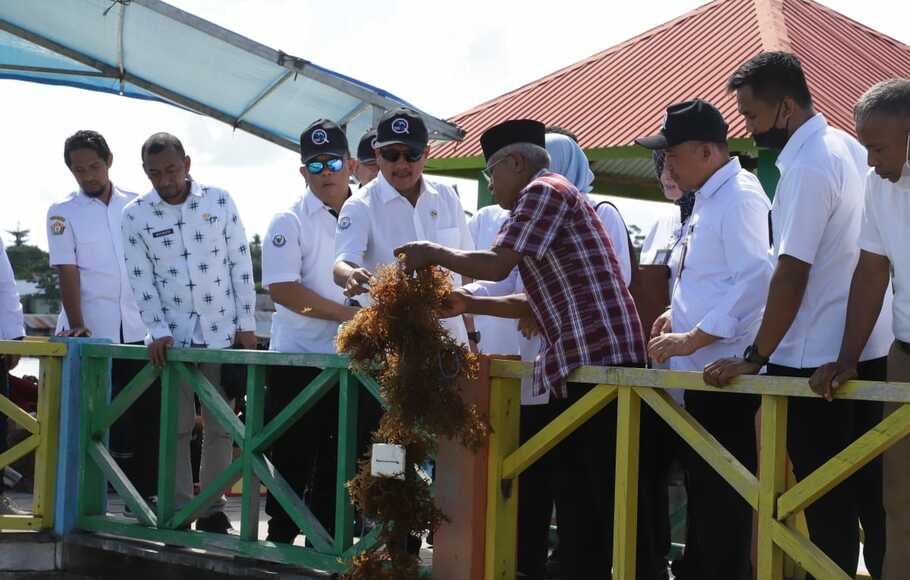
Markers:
(625, 510)
(772, 483)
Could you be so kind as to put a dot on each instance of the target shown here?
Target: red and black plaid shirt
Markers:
(573, 282)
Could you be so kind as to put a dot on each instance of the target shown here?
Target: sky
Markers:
(444, 57)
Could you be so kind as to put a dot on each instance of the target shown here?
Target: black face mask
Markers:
(773, 138)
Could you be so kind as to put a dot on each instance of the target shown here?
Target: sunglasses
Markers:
(334, 165)
(411, 154)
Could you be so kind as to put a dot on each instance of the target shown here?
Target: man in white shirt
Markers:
(86, 247)
(816, 215)
(11, 328)
(189, 264)
(882, 118)
(715, 310)
(297, 258)
(367, 168)
(399, 206)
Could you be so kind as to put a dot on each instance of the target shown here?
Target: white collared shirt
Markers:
(886, 232)
(300, 247)
(619, 236)
(189, 266)
(11, 319)
(85, 232)
(816, 215)
(378, 219)
(723, 278)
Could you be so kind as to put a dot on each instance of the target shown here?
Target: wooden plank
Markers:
(19, 450)
(293, 505)
(124, 487)
(18, 415)
(212, 399)
(43, 505)
(757, 385)
(259, 550)
(772, 482)
(502, 495)
(32, 348)
(348, 401)
(806, 554)
(872, 444)
(129, 395)
(303, 402)
(255, 402)
(702, 442)
(625, 511)
(557, 430)
(372, 387)
(222, 356)
(365, 543)
(167, 442)
(23, 523)
(95, 386)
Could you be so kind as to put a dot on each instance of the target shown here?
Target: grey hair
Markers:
(536, 156)
(891, 98)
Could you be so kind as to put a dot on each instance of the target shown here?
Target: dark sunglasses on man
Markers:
(316, 167)
(411, 154)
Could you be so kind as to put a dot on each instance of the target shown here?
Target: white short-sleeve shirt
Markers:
(886, 232)
(300, 247)
(377, 219)
(84, 232)
(816, 215)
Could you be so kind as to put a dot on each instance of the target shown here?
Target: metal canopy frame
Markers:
(370, 97)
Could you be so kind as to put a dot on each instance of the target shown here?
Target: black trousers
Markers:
(535, 498)
(584, 467)
(134, 436)
(4, 390)
(306, 454)
(816, 431)
(719, 547)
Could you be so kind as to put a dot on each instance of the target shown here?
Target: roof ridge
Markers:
(772, 24)
(853, 22)
(594, 57)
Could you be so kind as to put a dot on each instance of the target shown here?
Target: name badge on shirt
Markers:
(161, 233)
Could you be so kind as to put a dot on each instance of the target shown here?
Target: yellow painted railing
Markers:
(778, 535)
(42, 429)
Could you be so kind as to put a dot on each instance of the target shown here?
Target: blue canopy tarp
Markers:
(147, 49)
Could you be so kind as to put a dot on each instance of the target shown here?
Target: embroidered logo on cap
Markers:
(401, 127)
(278, 240)
(319, 137)
(344, 223)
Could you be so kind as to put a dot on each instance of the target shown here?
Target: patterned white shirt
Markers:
(189, 266)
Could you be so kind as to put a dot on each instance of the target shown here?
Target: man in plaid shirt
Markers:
(576, 296)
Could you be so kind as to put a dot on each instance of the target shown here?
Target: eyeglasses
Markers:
(316, 167)
(488, 172)
(410, 154)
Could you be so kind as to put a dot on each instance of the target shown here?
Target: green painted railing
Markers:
(254, 437)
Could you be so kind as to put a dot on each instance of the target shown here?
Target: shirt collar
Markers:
(813, 125)
(83, 199)
(312, 203)
(719, 178)
(195, 189)
(388, 193)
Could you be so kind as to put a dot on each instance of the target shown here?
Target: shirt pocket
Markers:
(449, 237)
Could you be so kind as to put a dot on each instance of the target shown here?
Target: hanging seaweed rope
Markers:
(399, 341)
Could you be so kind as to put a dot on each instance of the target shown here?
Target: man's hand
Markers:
(669, 344)
(662, 324)
(721, 372)
(75, 332)
(245, 339)
(158, 350)
(828, 378)
(416, 255)
(358, 282)
(527, 326)
(456, 304)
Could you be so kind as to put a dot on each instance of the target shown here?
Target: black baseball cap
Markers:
(323, 137)
(365, 151)
(696, 120)
(402, 126)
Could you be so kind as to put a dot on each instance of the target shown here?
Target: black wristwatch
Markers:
(474, 337)
(752, 355)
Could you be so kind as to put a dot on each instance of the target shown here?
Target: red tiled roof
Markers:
(619, 94)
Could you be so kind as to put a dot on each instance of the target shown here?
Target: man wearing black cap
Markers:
(718, 294)
(576, 294)
(397, 207)
(366, 169)
(297, 257)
